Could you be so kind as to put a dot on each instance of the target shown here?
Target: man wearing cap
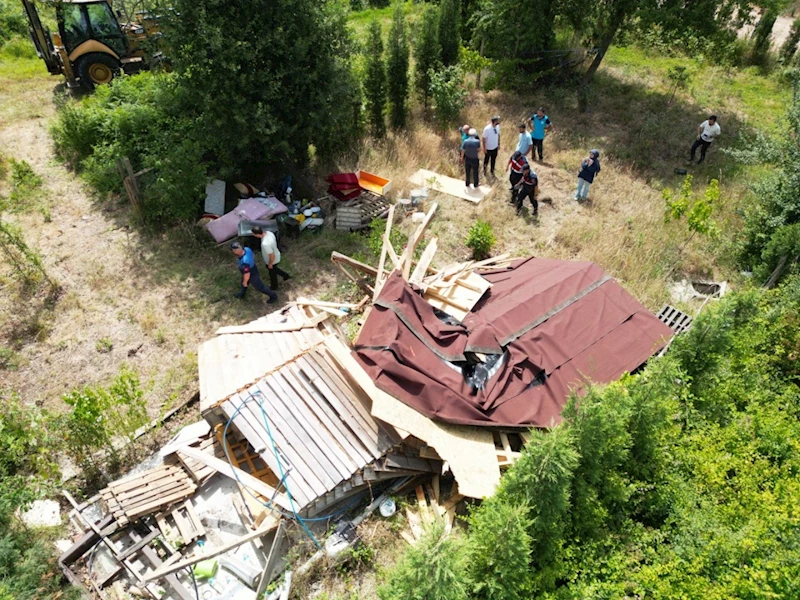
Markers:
(590, 167)
(469, 156)
(516, 163)
(491, 143)
(529, 188)
(524, 144)
(271, 255)
(249, 271)
(540, 125)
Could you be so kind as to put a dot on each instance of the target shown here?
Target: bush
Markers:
(480, 239)
(448, 93)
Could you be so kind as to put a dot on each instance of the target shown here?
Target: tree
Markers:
(263, 79)
(427, 52)
(789, 47)
(375, 81)
(397, 68)
(762, 36)
(450, 31)
(448, 94)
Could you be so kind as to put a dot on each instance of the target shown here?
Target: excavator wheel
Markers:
(97, 68)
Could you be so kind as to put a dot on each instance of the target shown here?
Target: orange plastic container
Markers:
(374, 183)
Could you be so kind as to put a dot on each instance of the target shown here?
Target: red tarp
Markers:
(343, 186)
(559, 324)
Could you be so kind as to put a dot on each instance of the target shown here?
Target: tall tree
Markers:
(427, 53)
(397, 68)
(375, 81)
(264, 79)
(450, 31)
(789, 47)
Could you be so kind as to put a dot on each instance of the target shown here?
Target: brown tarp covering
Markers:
(560, 324)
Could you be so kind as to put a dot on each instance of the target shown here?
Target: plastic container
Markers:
(387, 508)
(206, 569)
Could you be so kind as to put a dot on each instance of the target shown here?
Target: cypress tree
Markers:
(427, 53)
(790, 45)
(397, 67)
(449, 36)
(375, 82)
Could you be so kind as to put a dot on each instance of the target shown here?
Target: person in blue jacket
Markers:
(249, 271)
(590, 167)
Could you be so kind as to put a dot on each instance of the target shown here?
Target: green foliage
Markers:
(140, 118)
(776, 202)
(9, 359)
(789, 47)
(377, 228)
(762, 37)
(397, 69)
(450, 31)
(480, 239)
(434, 569)
(375, 81)
(12, 21)
(25, 187)
(783, 249)
(678, 77)
(263, 79)
(499, 551)
(448, 93)
(100, 414)
(26, 262)
(472, 61)
(698, 211)
(427, 52)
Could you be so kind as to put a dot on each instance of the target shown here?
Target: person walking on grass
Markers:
(540, 125)
(524, 144)
(271, 255)
(590, 167)
(707, 132)
(249, 271)
(469, 156)
(464, 131)
(516, 163)
(491, 144)
(529, 188)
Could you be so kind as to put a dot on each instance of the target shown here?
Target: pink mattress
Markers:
(252, 209)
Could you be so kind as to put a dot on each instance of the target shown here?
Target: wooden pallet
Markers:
(675, 319)
(147, 492)
(360, 211)
(183, 521)
(197, 470)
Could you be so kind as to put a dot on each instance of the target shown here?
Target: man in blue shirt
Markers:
(524, 143)
(249, 271)
(469, 156)
(540, 125)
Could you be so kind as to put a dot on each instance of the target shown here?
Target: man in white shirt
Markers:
(491, 143)
(707, 132)
(271, 255)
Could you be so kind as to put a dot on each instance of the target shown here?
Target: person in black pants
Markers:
(271, 255)
(707, 132)
(516, 163)
(529, 185)
(470, 148)
(249, 271)
(491, 143)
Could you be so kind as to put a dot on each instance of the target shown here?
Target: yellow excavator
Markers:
(91, 47)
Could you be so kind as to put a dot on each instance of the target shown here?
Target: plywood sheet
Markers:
(469, 451)
(449, 186)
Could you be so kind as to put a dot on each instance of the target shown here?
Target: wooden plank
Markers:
(422, 503)
(304, 408)
(358, 456)
(343, 404)
(256, 434)
(146, 509)
(171, 580)
(184, 527)
(411, 246)
(449, 186)
(251, 482)
(384, 249)
(435, 486)
(435, 507)
(210, 553)
(272, 560)
(301, 440)
(272, 327)
(138, 545)
(195, 520)
(424, 262)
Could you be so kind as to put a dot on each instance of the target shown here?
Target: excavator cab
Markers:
(91, 46)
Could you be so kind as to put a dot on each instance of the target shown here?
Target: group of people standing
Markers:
(246, 261)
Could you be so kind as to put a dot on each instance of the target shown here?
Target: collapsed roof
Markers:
(543, 328)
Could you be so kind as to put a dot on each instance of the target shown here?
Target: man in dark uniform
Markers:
(529, 185)
(469, 156)
(249, 271)
(516, 163)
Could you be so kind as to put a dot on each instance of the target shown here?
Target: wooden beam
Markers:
(424, 262)
(272, 558)
(273, 327)
(211, 553)
(408, 256)
(244, 478)
(384, 250)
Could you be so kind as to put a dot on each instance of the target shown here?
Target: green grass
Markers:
(360, 20)
(758, 100)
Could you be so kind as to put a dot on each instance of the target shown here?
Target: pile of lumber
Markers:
(147, 492)
(361, 211)
(430, 508)
(454, 290)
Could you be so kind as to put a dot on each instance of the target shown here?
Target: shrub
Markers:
(25, 185)
(480, 239)
(449, 95)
